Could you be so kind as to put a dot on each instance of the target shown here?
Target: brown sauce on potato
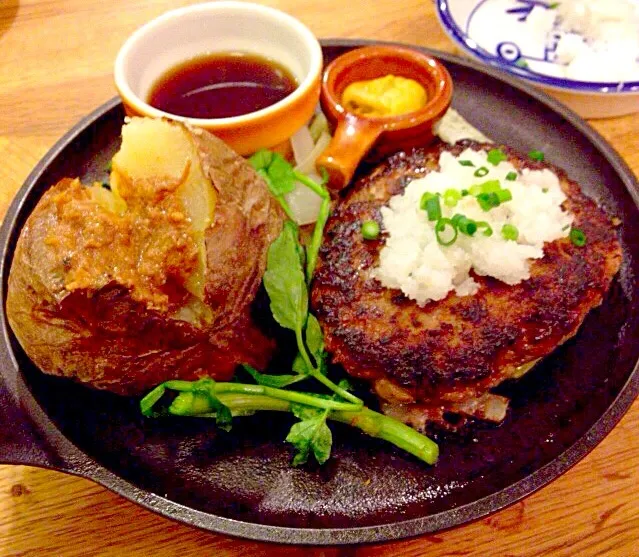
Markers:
(149, 249)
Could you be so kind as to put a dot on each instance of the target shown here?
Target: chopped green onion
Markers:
(495, 156)
(492, 186)
(487, 230)
(481, 172)
(512, 175)
(504, 195)
(464, 224)
(536, 155)
(451, 197)
(430, 203)
(464, 192)
(440, 227)
(425, 197)
(510, 232)
(468, 227)
(544, 190)
(370, 230)
(577, 237)
(521, 63)
(466, 163)
(433, 209)
(488, 200)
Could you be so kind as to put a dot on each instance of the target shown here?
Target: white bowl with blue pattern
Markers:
(495, 32)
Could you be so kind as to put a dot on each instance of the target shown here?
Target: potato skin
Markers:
(108, 340)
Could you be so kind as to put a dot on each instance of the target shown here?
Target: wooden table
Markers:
(56, 60)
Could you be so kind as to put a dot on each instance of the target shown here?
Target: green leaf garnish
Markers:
(275, 381)
(310, 434)
(315, 345)
(262, 159)
(284, 280)
(281, 175)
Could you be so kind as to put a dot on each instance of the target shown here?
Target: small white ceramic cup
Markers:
(185, 33)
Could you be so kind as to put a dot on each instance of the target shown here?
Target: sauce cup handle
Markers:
(353, 138)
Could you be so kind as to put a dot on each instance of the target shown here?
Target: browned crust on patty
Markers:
(459, 346)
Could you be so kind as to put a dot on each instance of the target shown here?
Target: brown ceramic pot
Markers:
(355, 135)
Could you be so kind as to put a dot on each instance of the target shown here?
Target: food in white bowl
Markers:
(583, 52)
(588, 40)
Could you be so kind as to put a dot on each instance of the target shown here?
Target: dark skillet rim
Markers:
(78, 463)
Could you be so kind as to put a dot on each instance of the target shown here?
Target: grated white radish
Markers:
(413, 261)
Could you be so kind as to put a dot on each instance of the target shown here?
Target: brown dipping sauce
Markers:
(221, 85)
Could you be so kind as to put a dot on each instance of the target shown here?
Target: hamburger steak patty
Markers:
(453, 350)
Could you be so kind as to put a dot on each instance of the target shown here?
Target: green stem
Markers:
(292, 396)
(395, 432)
(316, 239)
(314, 372)
(254, 403)
(312, 185)
(318, 231)
(179, 385)
(284, 204)
(302, 348)
(186, 387)
(151, 398)
(370, 422)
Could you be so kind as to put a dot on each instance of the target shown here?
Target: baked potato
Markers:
(152, 278)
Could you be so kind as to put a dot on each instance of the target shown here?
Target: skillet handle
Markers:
(19, 441)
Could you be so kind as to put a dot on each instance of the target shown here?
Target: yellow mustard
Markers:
(390, 95)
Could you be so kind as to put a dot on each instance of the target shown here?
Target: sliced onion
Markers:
(302, 144)
(307, 165)
(489, 407)
(318, 126)
(413, 415)
(304, 203)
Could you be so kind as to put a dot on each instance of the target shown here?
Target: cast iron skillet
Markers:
(242, 483)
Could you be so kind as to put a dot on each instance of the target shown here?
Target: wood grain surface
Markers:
(56, 60)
